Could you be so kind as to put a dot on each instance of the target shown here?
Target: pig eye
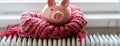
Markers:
(51, 9)
(64, 9)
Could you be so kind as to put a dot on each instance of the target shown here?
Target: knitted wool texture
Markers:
(31, 25)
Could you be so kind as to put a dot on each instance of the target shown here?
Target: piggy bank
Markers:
(57, 13)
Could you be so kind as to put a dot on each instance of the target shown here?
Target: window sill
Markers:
(94, 20)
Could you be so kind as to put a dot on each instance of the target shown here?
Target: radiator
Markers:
(91, 40)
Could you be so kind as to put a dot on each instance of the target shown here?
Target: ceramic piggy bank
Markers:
(57, 14)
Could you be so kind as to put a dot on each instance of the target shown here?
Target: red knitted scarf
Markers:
(35, 27)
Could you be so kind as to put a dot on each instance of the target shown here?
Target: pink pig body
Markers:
(57, 14)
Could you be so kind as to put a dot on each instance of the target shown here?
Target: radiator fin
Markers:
(91, 40)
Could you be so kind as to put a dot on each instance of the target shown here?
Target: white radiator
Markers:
(91, 40)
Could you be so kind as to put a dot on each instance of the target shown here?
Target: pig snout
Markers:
(57, 16)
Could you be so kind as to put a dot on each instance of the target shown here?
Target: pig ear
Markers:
(65, 3)
(51, 3)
